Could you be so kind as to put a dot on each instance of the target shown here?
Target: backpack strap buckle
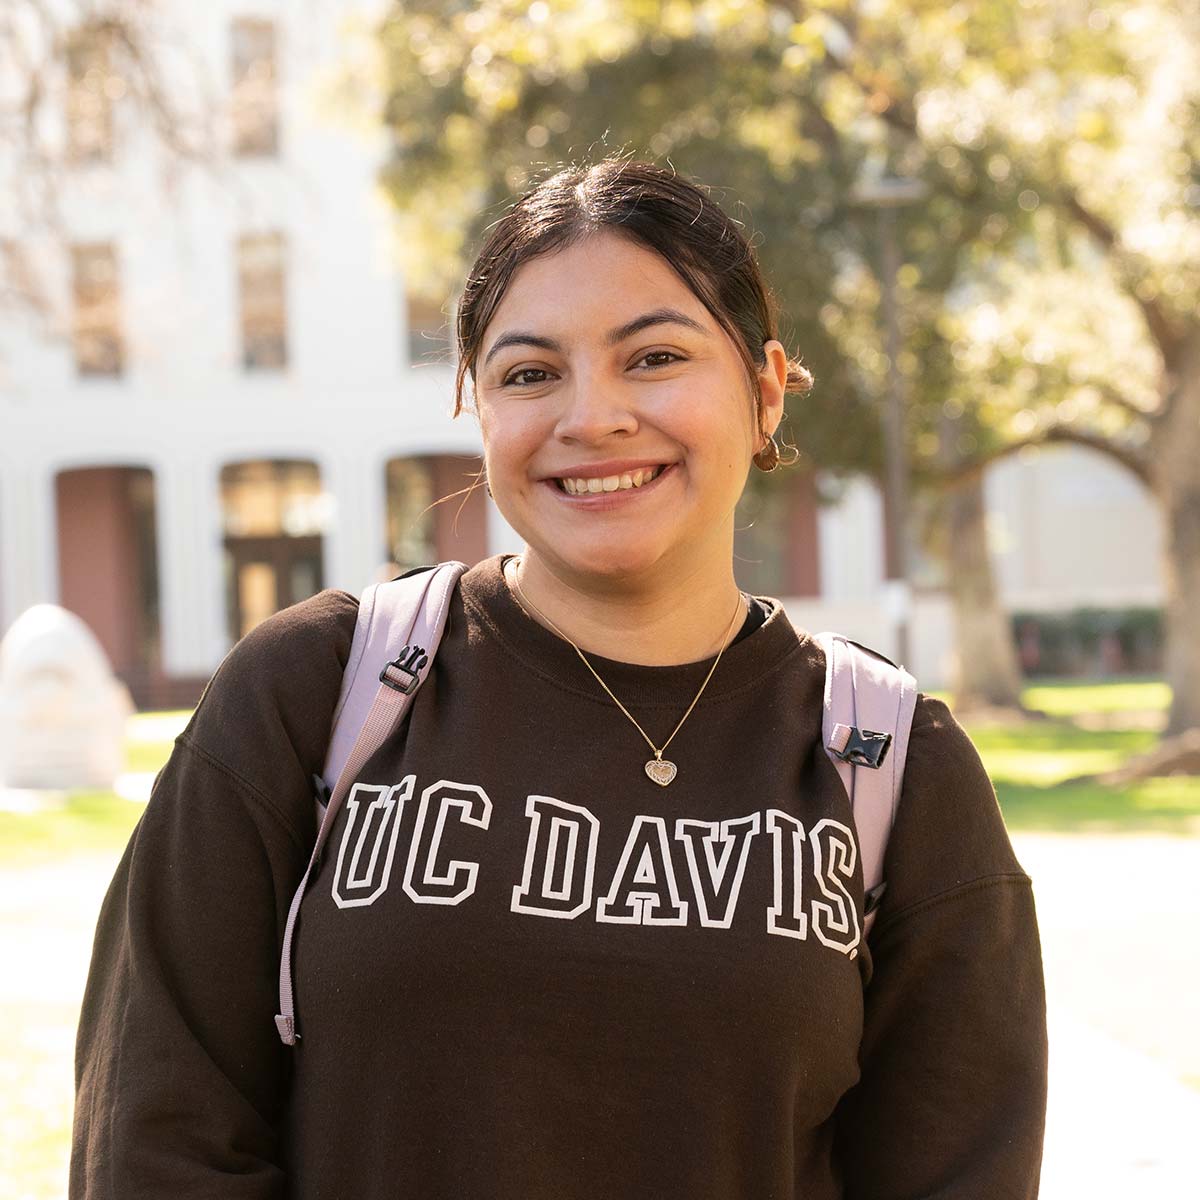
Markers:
(402, 672)
(861, 747)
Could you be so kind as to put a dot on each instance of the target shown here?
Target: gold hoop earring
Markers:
(767, 459)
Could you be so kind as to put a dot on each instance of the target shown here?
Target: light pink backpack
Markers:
(869, 703)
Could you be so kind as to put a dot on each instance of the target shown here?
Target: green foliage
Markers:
(1026, 763)
(1011, 319)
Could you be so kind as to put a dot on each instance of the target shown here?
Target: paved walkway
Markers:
(1120, 926)
(1119, 920)
(1119, 1126)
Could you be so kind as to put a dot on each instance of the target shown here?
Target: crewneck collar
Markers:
(743, 664)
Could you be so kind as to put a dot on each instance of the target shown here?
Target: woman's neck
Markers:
(690, 621)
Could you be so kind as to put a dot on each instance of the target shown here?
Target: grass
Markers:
(1026, 761)
(1029, 762)
(87, 821)
(1168, 805)
(84, 823)
(1072, 697)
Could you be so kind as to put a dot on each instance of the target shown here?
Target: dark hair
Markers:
(652, 206)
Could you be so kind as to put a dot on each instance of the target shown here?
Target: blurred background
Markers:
(231, 239)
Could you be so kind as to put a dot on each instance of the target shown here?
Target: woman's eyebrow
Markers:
(659, 316)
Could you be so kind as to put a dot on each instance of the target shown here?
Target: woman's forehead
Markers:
(596, 259)
(595, 287)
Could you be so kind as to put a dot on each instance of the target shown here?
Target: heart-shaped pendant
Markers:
(661, 771)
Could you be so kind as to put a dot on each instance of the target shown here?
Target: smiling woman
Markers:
(603, 335)
(527, 959)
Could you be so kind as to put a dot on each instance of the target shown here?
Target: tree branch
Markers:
(1131, 458)
(1162, 331)
(1119, 400)
(821, 125)
(896, 111)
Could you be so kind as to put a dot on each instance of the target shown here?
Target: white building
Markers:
(233, 418)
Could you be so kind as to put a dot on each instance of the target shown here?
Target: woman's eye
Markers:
(661, 354)
(512, 379)
(515, 380)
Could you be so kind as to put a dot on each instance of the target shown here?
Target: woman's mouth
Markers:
(609, 483)
(614, 489)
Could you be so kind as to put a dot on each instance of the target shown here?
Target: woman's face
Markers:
(574, 379)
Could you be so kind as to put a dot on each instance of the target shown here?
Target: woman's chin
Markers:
(613, 558)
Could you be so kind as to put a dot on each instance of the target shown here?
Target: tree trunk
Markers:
(987, 672)
(1177, 481)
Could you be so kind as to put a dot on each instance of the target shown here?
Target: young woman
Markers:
(526, 967)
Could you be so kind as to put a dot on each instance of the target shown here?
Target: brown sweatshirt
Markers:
(523, 970)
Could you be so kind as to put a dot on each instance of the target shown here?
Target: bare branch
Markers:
(56, 57)
(1130, 457)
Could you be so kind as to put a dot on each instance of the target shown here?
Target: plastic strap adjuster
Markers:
(408, 668)
(865, 747)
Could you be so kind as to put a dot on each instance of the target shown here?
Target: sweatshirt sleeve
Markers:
(951, 1099)
(181, 1079)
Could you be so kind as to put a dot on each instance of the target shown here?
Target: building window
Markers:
(274, 498)
(97, 332)
(263, 302)
(91, 87)
(255, 97)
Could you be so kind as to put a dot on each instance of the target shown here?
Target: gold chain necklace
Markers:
(661, 770)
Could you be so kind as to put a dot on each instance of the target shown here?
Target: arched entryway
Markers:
(108, 567)
(419, 529)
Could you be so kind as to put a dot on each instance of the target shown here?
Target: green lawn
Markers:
(1026, 762)
(86, 822)
(1069, 697)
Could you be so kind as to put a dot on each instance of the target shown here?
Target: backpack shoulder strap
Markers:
(397, 633)
(389, 620)
(869, 705)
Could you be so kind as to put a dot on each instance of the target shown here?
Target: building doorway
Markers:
(436, 510)
(275, 515)
(108, 566)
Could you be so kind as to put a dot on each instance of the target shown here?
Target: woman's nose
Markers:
(594, 409)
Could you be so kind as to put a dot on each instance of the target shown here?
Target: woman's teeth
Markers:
(610, 483)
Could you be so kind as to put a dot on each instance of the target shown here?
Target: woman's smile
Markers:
(620, 497)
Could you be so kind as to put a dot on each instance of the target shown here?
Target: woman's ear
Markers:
(772, 379)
